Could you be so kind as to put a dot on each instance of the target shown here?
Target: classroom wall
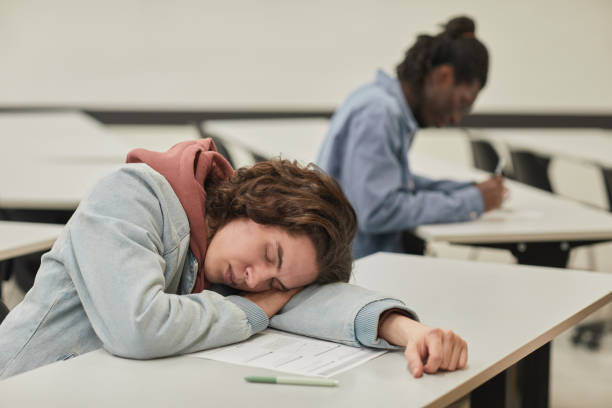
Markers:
(547, 55)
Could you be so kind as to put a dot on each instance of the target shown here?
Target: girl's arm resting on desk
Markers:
(351, 315)
(339, 312)
(428, 349)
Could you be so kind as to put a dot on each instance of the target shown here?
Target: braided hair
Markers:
(456, 45)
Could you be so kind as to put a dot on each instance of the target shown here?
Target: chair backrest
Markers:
(222, 149)
(3, 310)
(531, 169)
(484, 155)
(219, 143)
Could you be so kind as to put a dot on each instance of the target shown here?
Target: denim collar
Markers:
(393, 87)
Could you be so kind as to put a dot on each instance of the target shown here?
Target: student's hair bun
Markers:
(455, 45)
(460, 27)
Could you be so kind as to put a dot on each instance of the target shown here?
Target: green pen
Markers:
(321, 382)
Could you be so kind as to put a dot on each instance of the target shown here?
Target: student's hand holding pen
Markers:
(493, 192)
(428, 349)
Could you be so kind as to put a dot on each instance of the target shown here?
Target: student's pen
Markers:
(500, 166)
(322, 382)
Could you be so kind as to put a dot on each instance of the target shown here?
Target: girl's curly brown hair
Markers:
(301, 200)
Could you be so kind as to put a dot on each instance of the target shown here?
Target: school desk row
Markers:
(533, 224)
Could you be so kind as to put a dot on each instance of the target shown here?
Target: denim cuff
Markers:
(474, 206)
(366, 322)
(255, 315)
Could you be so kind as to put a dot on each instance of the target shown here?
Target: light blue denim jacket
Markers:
(120, 277)
(366, 151)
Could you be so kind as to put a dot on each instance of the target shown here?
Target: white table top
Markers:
(584, 145)
(21, 238)
(297, 139)
(528, 215)
(49, 186)
(50, 160)
(58, 137)
(477, 300)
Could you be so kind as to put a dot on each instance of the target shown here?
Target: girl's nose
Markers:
(256, 275)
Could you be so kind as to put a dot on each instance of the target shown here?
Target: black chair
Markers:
(221, 144)
(413, 244)
(221, 148)
(484, 155)
(3, 311)
(258, 158)
(590, 334)
(531, 169)
(5, 272)
(607, 175)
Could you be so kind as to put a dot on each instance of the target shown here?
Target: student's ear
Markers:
(443, 76)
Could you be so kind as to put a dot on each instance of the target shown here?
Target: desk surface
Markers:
(64, 137)
(529, 215)
(477, 300)
(49, 185)
(585, 145)
(297, 139)
(50, 160)
(21, 238)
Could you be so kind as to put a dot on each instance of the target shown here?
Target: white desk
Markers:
(590, 146)
(50, 160)
(58, 137)
(539, 228)
(21, 238)
(297, 139)
(529, 215)
(56, 186)
(478, 300)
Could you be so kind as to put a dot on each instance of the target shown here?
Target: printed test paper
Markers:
(292, 354)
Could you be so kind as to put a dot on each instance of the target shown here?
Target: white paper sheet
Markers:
(292, 354)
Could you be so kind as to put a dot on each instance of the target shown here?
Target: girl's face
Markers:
(252, 257)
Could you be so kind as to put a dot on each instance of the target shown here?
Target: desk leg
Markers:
(490, 394)
(533, 378)
(534, 370)
(531, 390)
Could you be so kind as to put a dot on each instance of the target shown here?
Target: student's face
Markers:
(252, 257)
(445, 102)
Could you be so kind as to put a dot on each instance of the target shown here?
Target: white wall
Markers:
(547, 56)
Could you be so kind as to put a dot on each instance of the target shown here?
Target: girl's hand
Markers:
(428, 349)
(271, 301)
